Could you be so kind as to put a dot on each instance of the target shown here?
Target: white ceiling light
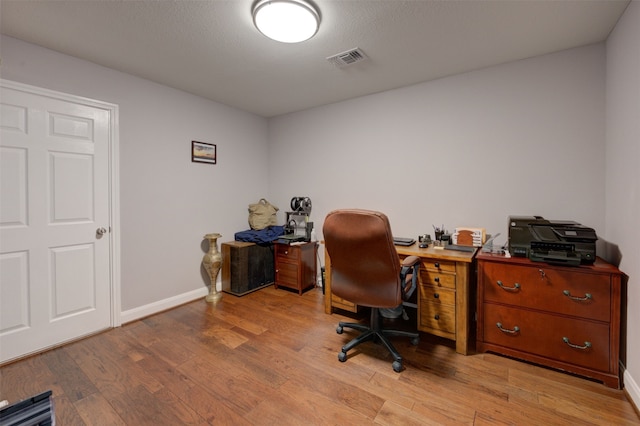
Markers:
(288, 21)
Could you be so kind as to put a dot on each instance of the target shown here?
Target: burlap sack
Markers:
(262, 214)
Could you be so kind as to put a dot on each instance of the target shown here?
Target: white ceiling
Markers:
(211, 48)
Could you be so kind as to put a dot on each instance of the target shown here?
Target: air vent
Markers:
(347, 58)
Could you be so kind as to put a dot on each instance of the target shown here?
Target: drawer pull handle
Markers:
(286, 252)
(587, 296)
(437, 317)
(437, 264)
(506, 330)
(437, 279)
(586, 346)
(515, 287)
(436, 295)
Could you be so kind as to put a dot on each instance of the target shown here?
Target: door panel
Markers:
(55, 268)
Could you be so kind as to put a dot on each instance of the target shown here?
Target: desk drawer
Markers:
(437, 295)
(437, 316)
(542, 334)
(437, 279)
(438, 265)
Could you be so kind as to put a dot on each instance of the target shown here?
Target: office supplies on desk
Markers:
(469, 236)
(399, 241)
(459, 247)
(489, 246)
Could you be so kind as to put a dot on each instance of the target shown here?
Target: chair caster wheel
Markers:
(342, 357)
(339, 329)
(415, 341)
(397, 366)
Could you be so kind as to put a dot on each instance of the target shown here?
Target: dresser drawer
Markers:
(437, 279)
(438, 265)
(285, 252)
(569, 292)
(544, 334)
(443, 296)
(437, 316)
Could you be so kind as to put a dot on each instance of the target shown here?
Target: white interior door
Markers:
(55, 282)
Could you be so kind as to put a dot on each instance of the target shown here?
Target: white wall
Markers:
(623, 172)
(167, 202)
(523, 138)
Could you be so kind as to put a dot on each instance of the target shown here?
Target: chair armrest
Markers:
(409, 276)
(410, 261)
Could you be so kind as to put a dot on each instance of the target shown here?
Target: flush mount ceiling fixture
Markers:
(287, 21)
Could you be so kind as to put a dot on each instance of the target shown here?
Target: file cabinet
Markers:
(564, 317)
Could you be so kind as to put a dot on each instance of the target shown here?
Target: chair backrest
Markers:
(365, 268)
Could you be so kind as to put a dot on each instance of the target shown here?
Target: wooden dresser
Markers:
(445, 293)
(565, 317)
(295, 265)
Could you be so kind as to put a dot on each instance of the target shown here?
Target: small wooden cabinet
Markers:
(565, 317)
(296, 265)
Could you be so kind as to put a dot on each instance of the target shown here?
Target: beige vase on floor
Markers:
(212, 262)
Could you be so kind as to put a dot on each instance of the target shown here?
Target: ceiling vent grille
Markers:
(347, 58)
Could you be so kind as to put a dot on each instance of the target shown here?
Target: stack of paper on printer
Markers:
(469, 237)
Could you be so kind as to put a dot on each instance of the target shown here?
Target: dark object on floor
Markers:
(34, 411)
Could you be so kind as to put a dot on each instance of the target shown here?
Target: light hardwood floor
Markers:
(270, 357)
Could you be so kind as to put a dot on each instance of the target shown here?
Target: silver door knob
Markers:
(101, 231)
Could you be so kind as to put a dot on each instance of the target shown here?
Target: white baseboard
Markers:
(632, 388)
(161, 305)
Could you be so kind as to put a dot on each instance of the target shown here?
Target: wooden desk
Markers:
(446, 298)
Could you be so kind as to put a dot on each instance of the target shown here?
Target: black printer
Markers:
(551, 241)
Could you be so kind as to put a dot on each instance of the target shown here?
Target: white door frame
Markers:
(114, 182)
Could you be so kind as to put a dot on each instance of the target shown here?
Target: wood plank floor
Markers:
(270, 357)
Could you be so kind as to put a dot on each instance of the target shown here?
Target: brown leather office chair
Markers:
(366, 270)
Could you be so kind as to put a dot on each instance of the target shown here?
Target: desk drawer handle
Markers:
(586, 346)
(437, 264)
(587, 296)
(436, 317)
(515, 287)
(436, 295)
(515, 330)
(437, 279)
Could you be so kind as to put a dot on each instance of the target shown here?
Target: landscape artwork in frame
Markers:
(203, 152)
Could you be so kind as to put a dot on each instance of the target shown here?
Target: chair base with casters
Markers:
(376, 333)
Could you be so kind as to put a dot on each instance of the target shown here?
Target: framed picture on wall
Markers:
(203, 152)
